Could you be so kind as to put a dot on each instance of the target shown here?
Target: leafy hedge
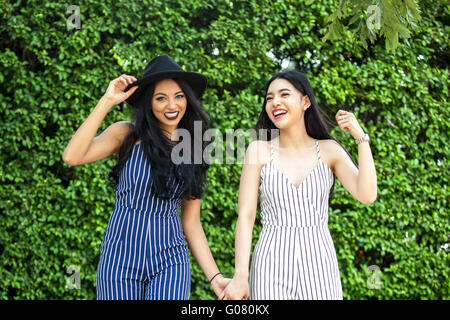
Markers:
(54, 216)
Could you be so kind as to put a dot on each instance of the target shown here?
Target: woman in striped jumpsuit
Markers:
(293, 173)
(144, 253)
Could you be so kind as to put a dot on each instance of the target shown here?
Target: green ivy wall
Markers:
(53, 216)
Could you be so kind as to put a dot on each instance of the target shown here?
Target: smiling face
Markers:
(285, 105)
(168, 104)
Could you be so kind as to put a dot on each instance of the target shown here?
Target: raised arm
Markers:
(362, 182)
(84, 146)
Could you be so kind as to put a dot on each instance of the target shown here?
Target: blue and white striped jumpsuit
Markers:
(295, 257)
(144, 253)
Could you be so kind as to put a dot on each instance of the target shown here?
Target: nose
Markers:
(275, 101)
(171, 104)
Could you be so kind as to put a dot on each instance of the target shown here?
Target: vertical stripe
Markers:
(143, 253)
(294, 257)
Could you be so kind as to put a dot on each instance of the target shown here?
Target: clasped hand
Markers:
(233, 289)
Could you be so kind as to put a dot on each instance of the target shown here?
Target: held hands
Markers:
(237, 289)
(348, 122)
(115, 92)
(219, 283)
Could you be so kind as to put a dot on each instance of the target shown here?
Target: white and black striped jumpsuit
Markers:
(295, 256)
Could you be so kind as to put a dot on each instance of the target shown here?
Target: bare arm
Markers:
(247, 205)
(84, 147)
(362, 182)
(195, 236)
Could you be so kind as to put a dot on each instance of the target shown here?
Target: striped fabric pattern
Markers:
(295, 257)
(144, 253)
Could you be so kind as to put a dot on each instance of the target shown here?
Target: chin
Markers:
(281, 124)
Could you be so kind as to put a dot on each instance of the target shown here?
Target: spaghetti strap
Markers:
(295, 257)
(318, 149)
(271, 150)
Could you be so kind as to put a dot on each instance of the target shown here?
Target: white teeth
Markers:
(171, 114)
(279, 112)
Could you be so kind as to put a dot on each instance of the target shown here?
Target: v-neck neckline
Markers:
(272, 160)
(287, 178)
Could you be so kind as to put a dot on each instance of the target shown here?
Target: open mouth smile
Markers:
(279, 113)
(171, 115)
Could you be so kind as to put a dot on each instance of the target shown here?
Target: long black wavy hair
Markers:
(158, 147)
(317, 122)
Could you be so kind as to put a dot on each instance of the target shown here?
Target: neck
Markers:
(295, 137)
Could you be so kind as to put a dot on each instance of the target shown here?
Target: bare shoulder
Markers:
(115, 134)
(124, 127)
(119, 130)
(331, 151)
(258, 152)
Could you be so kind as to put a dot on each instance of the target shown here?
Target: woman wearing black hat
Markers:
(144, 253)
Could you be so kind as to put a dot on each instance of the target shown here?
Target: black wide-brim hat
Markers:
(163, 67)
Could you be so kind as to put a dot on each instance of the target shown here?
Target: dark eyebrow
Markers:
(162, 93)
(284, 89)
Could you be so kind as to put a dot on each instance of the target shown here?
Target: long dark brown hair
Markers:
(317, 122)
(158, 147)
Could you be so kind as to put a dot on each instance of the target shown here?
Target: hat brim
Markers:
(197, 82)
